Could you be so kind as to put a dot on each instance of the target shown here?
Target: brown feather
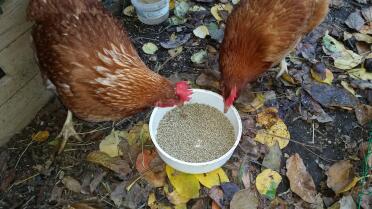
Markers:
(92, 62)
(259, 33)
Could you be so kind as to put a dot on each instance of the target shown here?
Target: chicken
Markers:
(259, 34)
(96, 71)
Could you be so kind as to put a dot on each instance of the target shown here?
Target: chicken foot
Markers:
(67, 131)
(283, 68)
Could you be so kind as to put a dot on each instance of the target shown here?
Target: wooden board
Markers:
(13, 21)
(17, 112)
(19, 65)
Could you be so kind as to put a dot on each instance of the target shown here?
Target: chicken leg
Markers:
(67, 131)
(283, 68)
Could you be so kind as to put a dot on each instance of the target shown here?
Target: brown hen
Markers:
(96, 71)
(260, 34)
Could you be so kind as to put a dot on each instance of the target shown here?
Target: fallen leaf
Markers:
(96, 181)
(216, 194)
(186, 185)
(363, 114)
(273, 158)
(229, 190)
(134, 135)
(355, 21)
(115, 164)
(149, 48)
(197, 8)
(213, 178)
(181, 8)
(215, 205)
(84, 206)
(143, 166)
(347, 202)
(172, 4)
(363, 37)
(175, 52)
(40, 136)
(199, 204)
(201, 31)
(323, 77)
(136, 196)
(268, 117)
(174, 43)
(207, 81)
(340, 175)
(180, 206)
(199, 57)
(71, 184)
(118, 195)
(6, 179)
(347, 86)
(330, 96)
(129, 11)
(110, 145)
(220, 7)
(177, 199)
(300, 180)
(244, 199)
(276, 133)
(244, 174)
(215, 32)
(343, 58)
(360, 73)
(367, 13)
(253, 106)
(350, 185)
(174, 20)
(267, 182)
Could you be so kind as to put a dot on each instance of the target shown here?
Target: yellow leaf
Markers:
(289, 79)
(212, 178)
(350, 185)
(177, 199)
(327, 78)
(186, 185)
(256, 104)
(152, 199)
(201, 31)
(40, 136)
(348, 87)
(114, 164)
(171, 4)
(145, 133)
(278, 132)
(268, 117)
(220, 7)
(267, 182)
(180, 206)
(134, 134)
(360, 74)
(110, 144)
(129, 11)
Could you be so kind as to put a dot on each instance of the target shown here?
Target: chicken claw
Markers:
(283, 68)
(68, 131)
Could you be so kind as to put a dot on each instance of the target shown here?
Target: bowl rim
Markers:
(221, 158)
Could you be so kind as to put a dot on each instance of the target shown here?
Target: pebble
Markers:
(195, 133)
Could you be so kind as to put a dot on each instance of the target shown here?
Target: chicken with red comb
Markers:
(87, 55)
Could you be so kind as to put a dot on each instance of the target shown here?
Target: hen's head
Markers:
(181, 94)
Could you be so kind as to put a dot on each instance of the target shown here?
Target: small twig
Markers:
(166, 61)
(313, 142)
(19, 158)
(22, 181)
(29, 200)
(94, 130)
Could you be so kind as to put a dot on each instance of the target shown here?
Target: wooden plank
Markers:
(22, 108)
(13, 21)
(19, 65)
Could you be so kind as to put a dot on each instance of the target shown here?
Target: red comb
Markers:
(183, 91)
(230, 100)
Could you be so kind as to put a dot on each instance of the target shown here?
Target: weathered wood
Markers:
(13, 21)
(19, 65)
(17, 112)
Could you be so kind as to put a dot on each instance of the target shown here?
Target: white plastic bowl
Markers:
(202, 97)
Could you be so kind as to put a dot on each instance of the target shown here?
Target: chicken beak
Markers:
(225, 108)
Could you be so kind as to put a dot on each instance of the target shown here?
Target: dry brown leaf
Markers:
(340, 175)
(363, 114)
(115, 164)
(300, 180)
(153, 172)
(71, 184)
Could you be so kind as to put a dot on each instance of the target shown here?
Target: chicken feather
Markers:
(259, 34)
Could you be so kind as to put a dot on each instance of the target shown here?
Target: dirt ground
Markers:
(31, 173)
